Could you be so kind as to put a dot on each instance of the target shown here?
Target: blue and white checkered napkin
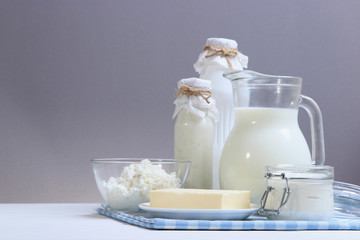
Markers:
(143, 219)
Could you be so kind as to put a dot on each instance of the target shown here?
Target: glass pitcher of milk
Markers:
(266, 130)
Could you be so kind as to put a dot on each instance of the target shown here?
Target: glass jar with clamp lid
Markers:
(298, 192)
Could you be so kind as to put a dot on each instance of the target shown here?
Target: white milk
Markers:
(212, 68)
(222, 93)
(309, 199)
(193, 142)
(260, 137)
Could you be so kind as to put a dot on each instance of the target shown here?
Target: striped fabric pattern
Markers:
(142, 219)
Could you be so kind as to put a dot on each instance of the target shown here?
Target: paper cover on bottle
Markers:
(196, 104)
(237, 63)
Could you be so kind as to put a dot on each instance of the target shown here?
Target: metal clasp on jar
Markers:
(263, 211)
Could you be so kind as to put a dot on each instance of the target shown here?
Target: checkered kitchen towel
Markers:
(143, 219)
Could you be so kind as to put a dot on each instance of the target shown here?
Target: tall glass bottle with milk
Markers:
(193, 137)
(220, 56)
(266, 131)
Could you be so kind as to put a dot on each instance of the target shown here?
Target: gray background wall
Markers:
(86, 79)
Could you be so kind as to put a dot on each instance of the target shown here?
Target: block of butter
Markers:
(181, 198)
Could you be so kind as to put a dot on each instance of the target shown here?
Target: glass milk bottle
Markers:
(266, 131)
(194, 126)
(220, 56)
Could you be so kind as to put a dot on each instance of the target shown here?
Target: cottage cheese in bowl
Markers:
(132, 187)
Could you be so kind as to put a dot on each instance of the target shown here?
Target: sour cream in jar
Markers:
(298, 192)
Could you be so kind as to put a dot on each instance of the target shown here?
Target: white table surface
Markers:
(80, 221)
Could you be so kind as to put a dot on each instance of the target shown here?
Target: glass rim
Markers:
(138, 160)
(255, 78)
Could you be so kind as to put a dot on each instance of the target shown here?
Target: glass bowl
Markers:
(124, 183)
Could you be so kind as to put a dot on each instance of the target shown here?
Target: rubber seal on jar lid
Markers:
(315, 172)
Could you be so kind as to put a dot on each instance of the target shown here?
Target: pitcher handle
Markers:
(317, 132)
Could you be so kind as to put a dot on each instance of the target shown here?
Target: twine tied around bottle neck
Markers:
(186, 90)
(222, 51)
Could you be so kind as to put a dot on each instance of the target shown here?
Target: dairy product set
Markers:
(237, 126)
(240, 131)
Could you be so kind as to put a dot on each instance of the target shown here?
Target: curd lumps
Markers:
(133, 186)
